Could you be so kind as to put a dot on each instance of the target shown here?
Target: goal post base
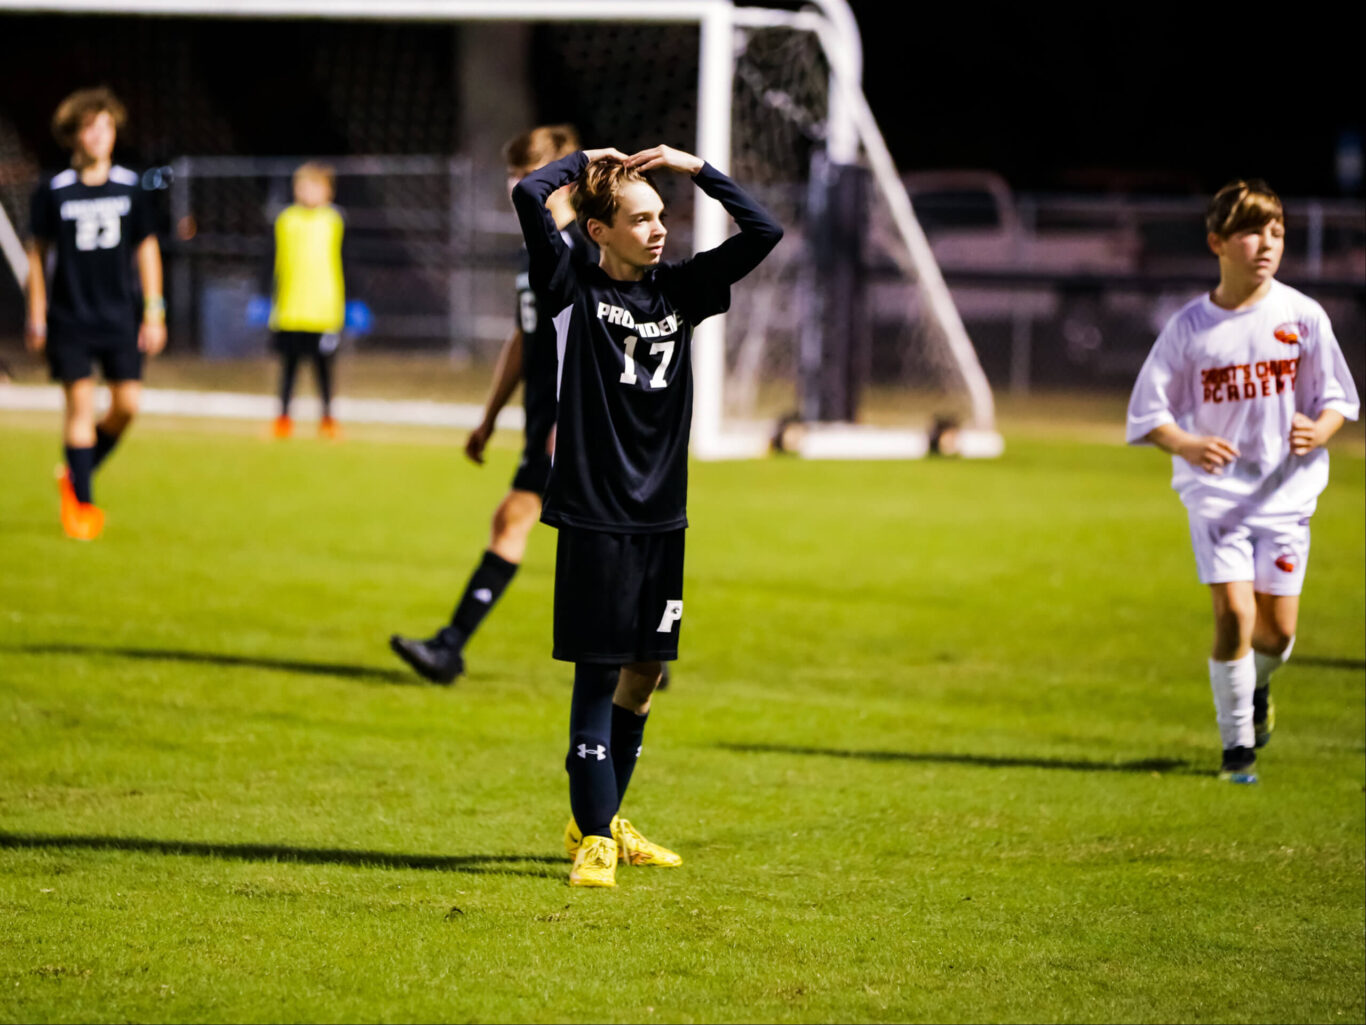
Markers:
(846, 441)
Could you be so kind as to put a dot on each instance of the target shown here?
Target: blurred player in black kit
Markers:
(618, 487)
(528, 356)
(101, 302)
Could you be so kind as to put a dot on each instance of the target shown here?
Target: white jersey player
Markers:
(1243, 387)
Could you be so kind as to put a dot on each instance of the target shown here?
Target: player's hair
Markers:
(74, 112)
(597, 190)
(541, 145)
(1243, 206)
(318, 172)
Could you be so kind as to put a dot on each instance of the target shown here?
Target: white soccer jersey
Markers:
(1242, 375)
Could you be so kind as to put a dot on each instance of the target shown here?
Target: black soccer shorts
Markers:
(71, 360)
(304, 344)
(618, 597)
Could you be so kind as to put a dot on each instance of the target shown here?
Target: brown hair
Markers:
(75, 112)
(318, 172)
(541, 145)
(597, 190)
(1243, 206)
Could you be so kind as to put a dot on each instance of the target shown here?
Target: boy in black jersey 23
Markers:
(618, 487)
(87, 304)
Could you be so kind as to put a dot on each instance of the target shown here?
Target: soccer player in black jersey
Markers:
(528, 356)
(93, 223)
(618, 486)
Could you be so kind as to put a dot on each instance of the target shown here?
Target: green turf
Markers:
(940, 747)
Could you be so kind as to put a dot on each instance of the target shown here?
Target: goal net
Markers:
(845, 336)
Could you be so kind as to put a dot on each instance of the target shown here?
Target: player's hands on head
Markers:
(606, 151)
(1304, 434)
(666, 157)
(1210, 453)
(35, 336)
(475, 443)
(151, 337)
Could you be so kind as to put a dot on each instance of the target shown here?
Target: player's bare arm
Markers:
(1207, 452)
(664, 157)
(506, 376)
(35, 327)
(1307, 434)
(152, 333)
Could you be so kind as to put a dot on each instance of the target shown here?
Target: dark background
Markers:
(1126, 98)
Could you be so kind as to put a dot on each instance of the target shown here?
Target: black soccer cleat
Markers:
(431, 659)
(1239, 765)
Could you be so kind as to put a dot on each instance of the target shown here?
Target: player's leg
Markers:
(441, 658)
(658, 618)
(1282, 556)
(288, 349)
(1233, 676)
(125, 399)
(78, 434)
(1224, 557)
(324, 362)
(80, 518)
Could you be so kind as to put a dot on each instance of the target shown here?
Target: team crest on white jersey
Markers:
(1292, 332)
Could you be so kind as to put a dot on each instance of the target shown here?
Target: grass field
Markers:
(940, 747)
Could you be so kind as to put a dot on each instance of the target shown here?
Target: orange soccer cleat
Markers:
(83, 521)
(65, 492)
(283, 427)
(329, 428)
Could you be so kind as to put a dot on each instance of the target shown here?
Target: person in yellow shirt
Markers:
(309, 310)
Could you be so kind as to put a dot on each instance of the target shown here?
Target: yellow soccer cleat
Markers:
(636, 850)
(595, 864)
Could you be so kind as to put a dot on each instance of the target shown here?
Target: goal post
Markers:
(774, 90)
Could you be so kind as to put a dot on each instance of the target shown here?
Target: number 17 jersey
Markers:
(625, 408)
(625, 360)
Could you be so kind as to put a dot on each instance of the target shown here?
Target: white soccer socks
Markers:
(1268, 664)
(1232, 684)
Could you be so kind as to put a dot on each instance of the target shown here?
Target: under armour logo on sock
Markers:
(483, 594)
(600, 752)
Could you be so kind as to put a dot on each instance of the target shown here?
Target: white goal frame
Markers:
(852, 128)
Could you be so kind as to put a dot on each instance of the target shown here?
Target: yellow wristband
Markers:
(154, 309)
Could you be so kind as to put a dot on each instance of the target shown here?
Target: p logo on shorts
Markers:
(673, 612)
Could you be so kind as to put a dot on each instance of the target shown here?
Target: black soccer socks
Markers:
(485, 587)
(628, 729)
(104, 444)
(80, 462)
(591, 767)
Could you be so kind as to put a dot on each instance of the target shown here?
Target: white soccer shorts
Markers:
(1271, 552)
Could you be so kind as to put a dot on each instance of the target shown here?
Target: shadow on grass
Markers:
(1325, 662)
(284, 665)
(1148, 765)
(478, 864)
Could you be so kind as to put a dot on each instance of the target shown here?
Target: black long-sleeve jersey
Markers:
(540, 367)
(625, 355)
